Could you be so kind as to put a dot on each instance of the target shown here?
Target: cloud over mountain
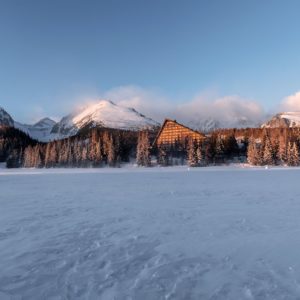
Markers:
(291, 103)
(227, 111)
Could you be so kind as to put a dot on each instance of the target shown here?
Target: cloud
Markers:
(227, 110)
(149, 102)
(291, 103)
(207, 106)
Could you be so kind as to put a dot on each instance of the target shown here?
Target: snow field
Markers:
(208, 233)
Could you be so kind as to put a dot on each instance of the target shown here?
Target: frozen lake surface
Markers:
(209, 233)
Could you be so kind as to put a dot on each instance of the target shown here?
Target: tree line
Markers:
(99, 147)
(256, 146)
(215, 149)
(12, 144)
(271, 149)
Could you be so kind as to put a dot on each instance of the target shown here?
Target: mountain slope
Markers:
(285, 120)
(44, 123)
(5, 118)
(207, 125)
(104, 114)
(40, 131)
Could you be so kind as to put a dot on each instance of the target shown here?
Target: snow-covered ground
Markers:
(209, 233)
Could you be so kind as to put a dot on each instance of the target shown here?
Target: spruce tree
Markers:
(139, 150)
(192, 153)
(146, 146)
(143, 157)
(77, 152)
(92, 147)
(47, 155)
(117, 150)
(98, 153)
(106, 144)
(84, 155)
(63, 152)
(252, 153)
(53, 154)
(28, 157)
(219, 150)
(36, 160)
(200, 155)
(163, 158)
(292, 154)
(111, 152)
(295, 154)
(71, 161)
(281, 154)
(289, 154)
(268, 155)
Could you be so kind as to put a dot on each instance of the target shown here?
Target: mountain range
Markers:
(104, 113)
(107, 114)
(285, 120)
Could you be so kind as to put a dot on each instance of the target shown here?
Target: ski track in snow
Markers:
(207, 233)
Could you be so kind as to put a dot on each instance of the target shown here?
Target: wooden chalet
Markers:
(172, 132)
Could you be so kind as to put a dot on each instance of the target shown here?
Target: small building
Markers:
(172, 132)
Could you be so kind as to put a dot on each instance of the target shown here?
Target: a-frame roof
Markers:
(174, 121)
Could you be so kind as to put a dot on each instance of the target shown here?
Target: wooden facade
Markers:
(172, 132)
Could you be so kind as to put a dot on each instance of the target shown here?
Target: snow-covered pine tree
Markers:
(71, 161)
(93, 141)
(200, 155)
(117, 148)
(36, 157)
(106, 140)
(253, 155)
(192, 153)
(54, 154)
(209, 150)
(147, 154)
(139, 150)
(28, 157)
(295, 154)
(292, 154)
(111, 157)
(20, 159)
(268, 154)
(163, 158)
(77, 152)
(63, 147)
(281, 154)
(289, 158)
(84, 155)
(143, 157)
(47, 156)
(219, 150)
(98, 152)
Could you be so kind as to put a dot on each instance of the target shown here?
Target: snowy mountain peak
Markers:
(285, 119)
(45, 122)
(5, 118)
(40, 131)
(208, 124)
(103, 113)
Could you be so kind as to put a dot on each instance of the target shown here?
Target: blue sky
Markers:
(55, 53)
